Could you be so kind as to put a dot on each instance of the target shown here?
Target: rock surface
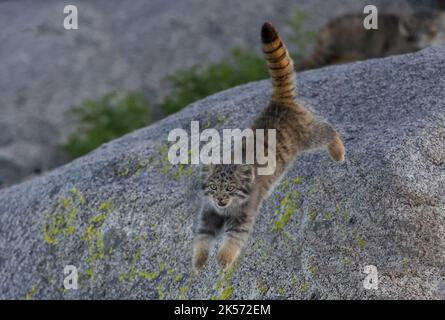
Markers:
(46, 69)
(123, 216)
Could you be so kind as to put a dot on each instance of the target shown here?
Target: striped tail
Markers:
(281, 66)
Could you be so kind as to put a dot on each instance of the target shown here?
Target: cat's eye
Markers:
(212, 186)
(230, 188)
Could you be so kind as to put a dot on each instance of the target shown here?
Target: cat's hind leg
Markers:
(323, 135)
(337, 149)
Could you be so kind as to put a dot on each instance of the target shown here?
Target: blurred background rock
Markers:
(132, 46)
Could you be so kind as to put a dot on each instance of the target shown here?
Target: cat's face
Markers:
(227, 185)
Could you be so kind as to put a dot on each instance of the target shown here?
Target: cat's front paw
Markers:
(227, 255)
(200, 256)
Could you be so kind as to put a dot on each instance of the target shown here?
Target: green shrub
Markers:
(104, 119)
(197, 82)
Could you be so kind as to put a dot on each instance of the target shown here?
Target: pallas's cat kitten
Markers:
(232, 194)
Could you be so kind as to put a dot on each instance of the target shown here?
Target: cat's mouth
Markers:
(222, 205)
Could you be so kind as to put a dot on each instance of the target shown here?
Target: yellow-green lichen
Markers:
(214, 121)
(227, 293)
(286, 210)
(297, 180)
(29, 295)
(135, 166)
(90, 273)
(312, 215)
(160, 289)
(183, 170)
(301, 285)
(283, 185)
(361, 242)
(342, 212)
(346, 262)
(328, 216)
(122, 276)
(148, 275)
(224, 283)
(132, 271)
(141, 166)
(287, 235)
(263, 289)
(259, 243)
(406, 265)
(313, 270)
(124, 172)
(178, 277)
(62, 220)
(206, 125)
(284, 219)
(105, 206)
(177, 171)
(182, 293)
(62, 290)
(78, 195)
(287, 206)
(183, 290)
(304, 286)
(137, 256)
(94, 237)
(161, 162)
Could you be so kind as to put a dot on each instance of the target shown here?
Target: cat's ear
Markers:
(246, 173)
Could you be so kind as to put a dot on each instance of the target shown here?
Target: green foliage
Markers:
(120, 112)
(104, 119)
(197, 82)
